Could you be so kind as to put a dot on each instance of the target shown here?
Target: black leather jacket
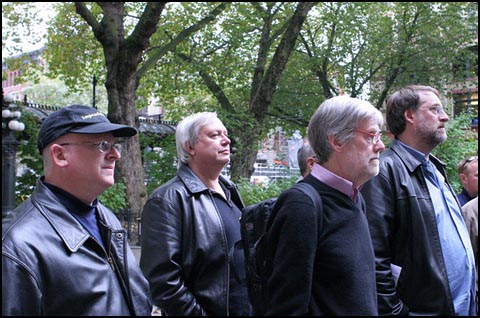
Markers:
(52, 267)
(404, 232)
(184, 247)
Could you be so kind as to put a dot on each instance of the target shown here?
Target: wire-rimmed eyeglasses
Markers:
(435, 109)
(103, 146)
(373, 138)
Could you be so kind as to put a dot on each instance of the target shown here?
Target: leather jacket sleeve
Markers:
(26, 300)
(162, 266)
(381, 204)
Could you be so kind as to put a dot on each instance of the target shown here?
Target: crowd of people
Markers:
(391, 237)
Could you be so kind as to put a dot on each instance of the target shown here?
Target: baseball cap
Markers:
(78, 119)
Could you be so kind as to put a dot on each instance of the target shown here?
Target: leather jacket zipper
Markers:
(110, 260)
(108, 252)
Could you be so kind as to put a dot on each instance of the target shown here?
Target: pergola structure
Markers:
(147, 125)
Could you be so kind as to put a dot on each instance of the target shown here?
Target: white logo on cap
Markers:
(91, 115)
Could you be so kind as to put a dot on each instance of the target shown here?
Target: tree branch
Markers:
(161, 51)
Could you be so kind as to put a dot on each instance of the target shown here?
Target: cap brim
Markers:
(101, 128)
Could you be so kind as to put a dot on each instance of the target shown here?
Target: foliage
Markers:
(54, 92)
(114, 197)
(460, 144)
(23, 31)
(71, 51)
(30, 160)
(364, 49)
(159, 159)
(344, 46)
(17, 21)
(254, 193)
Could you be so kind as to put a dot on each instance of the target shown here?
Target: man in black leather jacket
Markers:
(192, 254)
(424, 259)
(63, 252)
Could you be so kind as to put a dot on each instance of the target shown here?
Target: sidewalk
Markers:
(136, 251)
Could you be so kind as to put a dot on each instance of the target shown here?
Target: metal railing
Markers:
(131, 223)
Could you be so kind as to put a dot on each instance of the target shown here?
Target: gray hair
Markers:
(303, 153)
(187, 132)
(338, 116)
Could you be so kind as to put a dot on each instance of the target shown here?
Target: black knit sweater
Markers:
(323, 261)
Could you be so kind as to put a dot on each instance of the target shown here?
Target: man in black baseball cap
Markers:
(78, 119)
(64, 253)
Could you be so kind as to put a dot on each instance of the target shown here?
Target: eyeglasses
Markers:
(103, 146)
(467, 161)
(435, 109)
(373, 138)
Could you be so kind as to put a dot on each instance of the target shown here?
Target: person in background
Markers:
(424, 257)
(63, 252)
(192, 253)
(470, 214)
(468, 172)
(305, 159)
(322, 260)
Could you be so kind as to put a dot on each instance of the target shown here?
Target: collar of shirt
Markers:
(72, 203)
(420, 156)
(335, 181)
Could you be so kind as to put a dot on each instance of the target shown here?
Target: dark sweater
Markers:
(464, 197)
(323, 261)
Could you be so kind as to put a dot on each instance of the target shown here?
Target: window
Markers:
(467, 102)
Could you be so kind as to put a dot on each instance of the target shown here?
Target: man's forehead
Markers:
(430, 98)
(214, 126)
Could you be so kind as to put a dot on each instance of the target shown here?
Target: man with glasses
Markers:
(63, 252)
(468, 172)
(424, 258)
(322, 256)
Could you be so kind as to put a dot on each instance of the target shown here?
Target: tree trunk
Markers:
(265, 87)
(122, 58)
(121, 109)
(243, 160)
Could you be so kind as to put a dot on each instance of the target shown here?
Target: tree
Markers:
(232, 58)
(127, 57)
(265, 76)
(461, 143)
(270, 28)
(264, 84)
(366, 49)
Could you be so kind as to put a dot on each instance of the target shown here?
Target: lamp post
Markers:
(10, 124)
(94, 84)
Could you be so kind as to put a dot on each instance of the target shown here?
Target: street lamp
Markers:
(10, 124)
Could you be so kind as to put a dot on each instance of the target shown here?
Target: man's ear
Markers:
(58, 155)
(409, 115)
(190, 149)
(335, 143)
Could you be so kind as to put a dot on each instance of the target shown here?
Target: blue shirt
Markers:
(456, 246)
(84, 213)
